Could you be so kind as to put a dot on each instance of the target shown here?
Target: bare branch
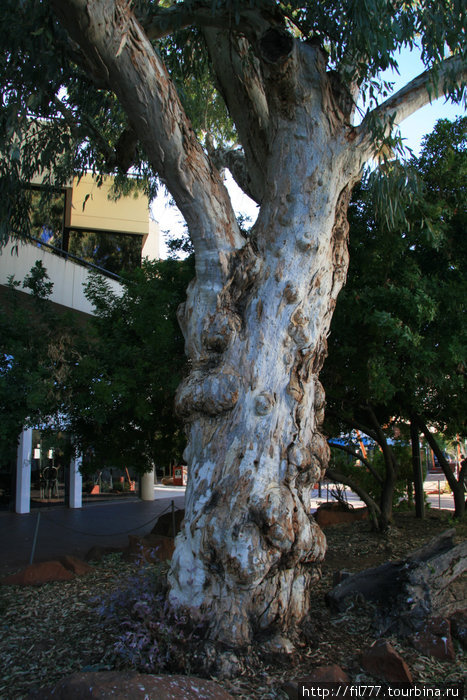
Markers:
(373, 508)
(166, 21)
(234, 159)
(420, 91)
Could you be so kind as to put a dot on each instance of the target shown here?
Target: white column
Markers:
(23, 472)
(76, 483)
(147, 486)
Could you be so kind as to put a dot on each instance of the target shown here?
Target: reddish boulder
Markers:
(75, 565)
(121, 686)
(37, 574)
(328, 674)
(150, 548)
(322, 674)
(334, 514)
(382, 661)
(434, 639)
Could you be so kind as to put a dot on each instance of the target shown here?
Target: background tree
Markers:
(398, 337)
(35, 352)
(257, 315)
(120, 406)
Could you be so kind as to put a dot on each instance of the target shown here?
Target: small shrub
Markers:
(151, 634)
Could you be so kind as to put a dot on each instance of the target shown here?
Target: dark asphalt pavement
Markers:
(63, 530)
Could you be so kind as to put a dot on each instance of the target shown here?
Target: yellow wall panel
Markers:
(98, 212)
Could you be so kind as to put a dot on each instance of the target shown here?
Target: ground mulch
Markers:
(51, 631)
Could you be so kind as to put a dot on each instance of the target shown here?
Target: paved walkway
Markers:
(434, 485)
(67, 531)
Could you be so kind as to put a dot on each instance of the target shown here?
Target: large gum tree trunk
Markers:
(249, 550)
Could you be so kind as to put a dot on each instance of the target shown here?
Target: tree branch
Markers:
(414, 96)
(166, 21)
(389, 457)
(353, 423)
(433, 443)
(234, 159)
(358, 455)
(373, 507)
(111, 36)
(240, 82)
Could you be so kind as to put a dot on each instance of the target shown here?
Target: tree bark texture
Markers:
(258, 313)
(457, 486)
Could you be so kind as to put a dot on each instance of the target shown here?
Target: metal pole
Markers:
(173, 519)
(439, 494)
(35, 537)
(417, 471)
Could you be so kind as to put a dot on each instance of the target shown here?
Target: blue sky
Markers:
(414, 128)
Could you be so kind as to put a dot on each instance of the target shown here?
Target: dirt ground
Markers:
(49, 632)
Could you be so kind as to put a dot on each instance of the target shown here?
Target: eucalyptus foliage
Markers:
(57, 120)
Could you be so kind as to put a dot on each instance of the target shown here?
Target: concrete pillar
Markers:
(147, 486)
(23, 472)
(76, 483)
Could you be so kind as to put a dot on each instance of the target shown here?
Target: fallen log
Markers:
(430, 581)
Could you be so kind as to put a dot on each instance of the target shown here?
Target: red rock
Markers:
(150, 548)
(37, 574)
(334, 514)
(435, 639)
(121, 686)
(322, 674)
(75, 565)
(382, 661)
(458, 622)
(328, 674)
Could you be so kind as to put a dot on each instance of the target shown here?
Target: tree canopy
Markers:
(120, 405)
(35, 348)
(63, 113)
(399, 335)
(398, 341)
